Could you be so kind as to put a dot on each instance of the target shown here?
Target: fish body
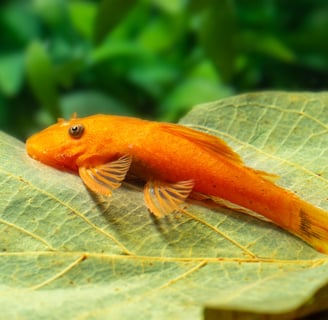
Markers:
(176, 162)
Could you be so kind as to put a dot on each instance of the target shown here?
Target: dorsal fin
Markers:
(213, 144)
(204, 140)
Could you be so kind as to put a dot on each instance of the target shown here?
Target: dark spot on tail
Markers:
(306, 225)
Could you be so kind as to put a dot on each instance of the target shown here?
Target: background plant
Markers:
(151, 58)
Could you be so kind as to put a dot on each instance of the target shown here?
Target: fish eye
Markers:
(76, 131)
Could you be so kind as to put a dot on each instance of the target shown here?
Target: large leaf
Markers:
(68, 254)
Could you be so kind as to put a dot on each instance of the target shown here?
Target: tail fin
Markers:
(307, 222)
(313, 226)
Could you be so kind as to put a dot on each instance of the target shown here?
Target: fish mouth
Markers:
(32, 151)
(60, 162)
(36, 154)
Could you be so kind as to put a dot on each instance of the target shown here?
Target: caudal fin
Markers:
(313, 226)
(307, 222)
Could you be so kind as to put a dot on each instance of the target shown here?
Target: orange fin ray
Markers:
(213, 144)
(271, 177)
(163, 198)
(206, 141)
(312, 226)
(104, 178)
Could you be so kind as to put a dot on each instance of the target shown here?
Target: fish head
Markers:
(66, 144)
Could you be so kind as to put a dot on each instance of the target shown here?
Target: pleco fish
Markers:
(176, 162)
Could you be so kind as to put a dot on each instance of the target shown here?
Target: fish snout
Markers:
(38, 152)
(31, 148)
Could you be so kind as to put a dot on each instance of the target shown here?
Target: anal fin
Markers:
(229, 205)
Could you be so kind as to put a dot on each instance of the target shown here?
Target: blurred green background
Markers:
(152, 58)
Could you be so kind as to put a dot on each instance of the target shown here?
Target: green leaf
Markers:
(267, 45)
(68, 254)
(202, 84)
(170, 7)
(110, 13)
(41, 77)
(83, 15)
(80, 103)
(53, 12)
(216, 27)
(19, 25)
(11, 73)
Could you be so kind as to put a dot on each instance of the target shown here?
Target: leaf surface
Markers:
(67, 254)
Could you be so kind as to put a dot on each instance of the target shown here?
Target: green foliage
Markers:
(65, 253)
(153, 58)
(41, 77)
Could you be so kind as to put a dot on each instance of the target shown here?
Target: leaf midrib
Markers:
(108, 256)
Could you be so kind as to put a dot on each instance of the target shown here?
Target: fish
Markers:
(176, 163)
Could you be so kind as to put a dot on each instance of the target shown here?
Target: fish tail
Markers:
(313, 226)
(304, 220)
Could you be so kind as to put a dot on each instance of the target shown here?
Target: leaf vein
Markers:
(71, 209)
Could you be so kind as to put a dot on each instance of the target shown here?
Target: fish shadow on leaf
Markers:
(180, 229)
(121, 216)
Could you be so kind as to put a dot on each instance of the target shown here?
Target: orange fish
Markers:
(176, 162)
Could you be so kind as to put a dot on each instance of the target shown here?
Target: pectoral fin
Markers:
(103, 179)
(163, 198)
